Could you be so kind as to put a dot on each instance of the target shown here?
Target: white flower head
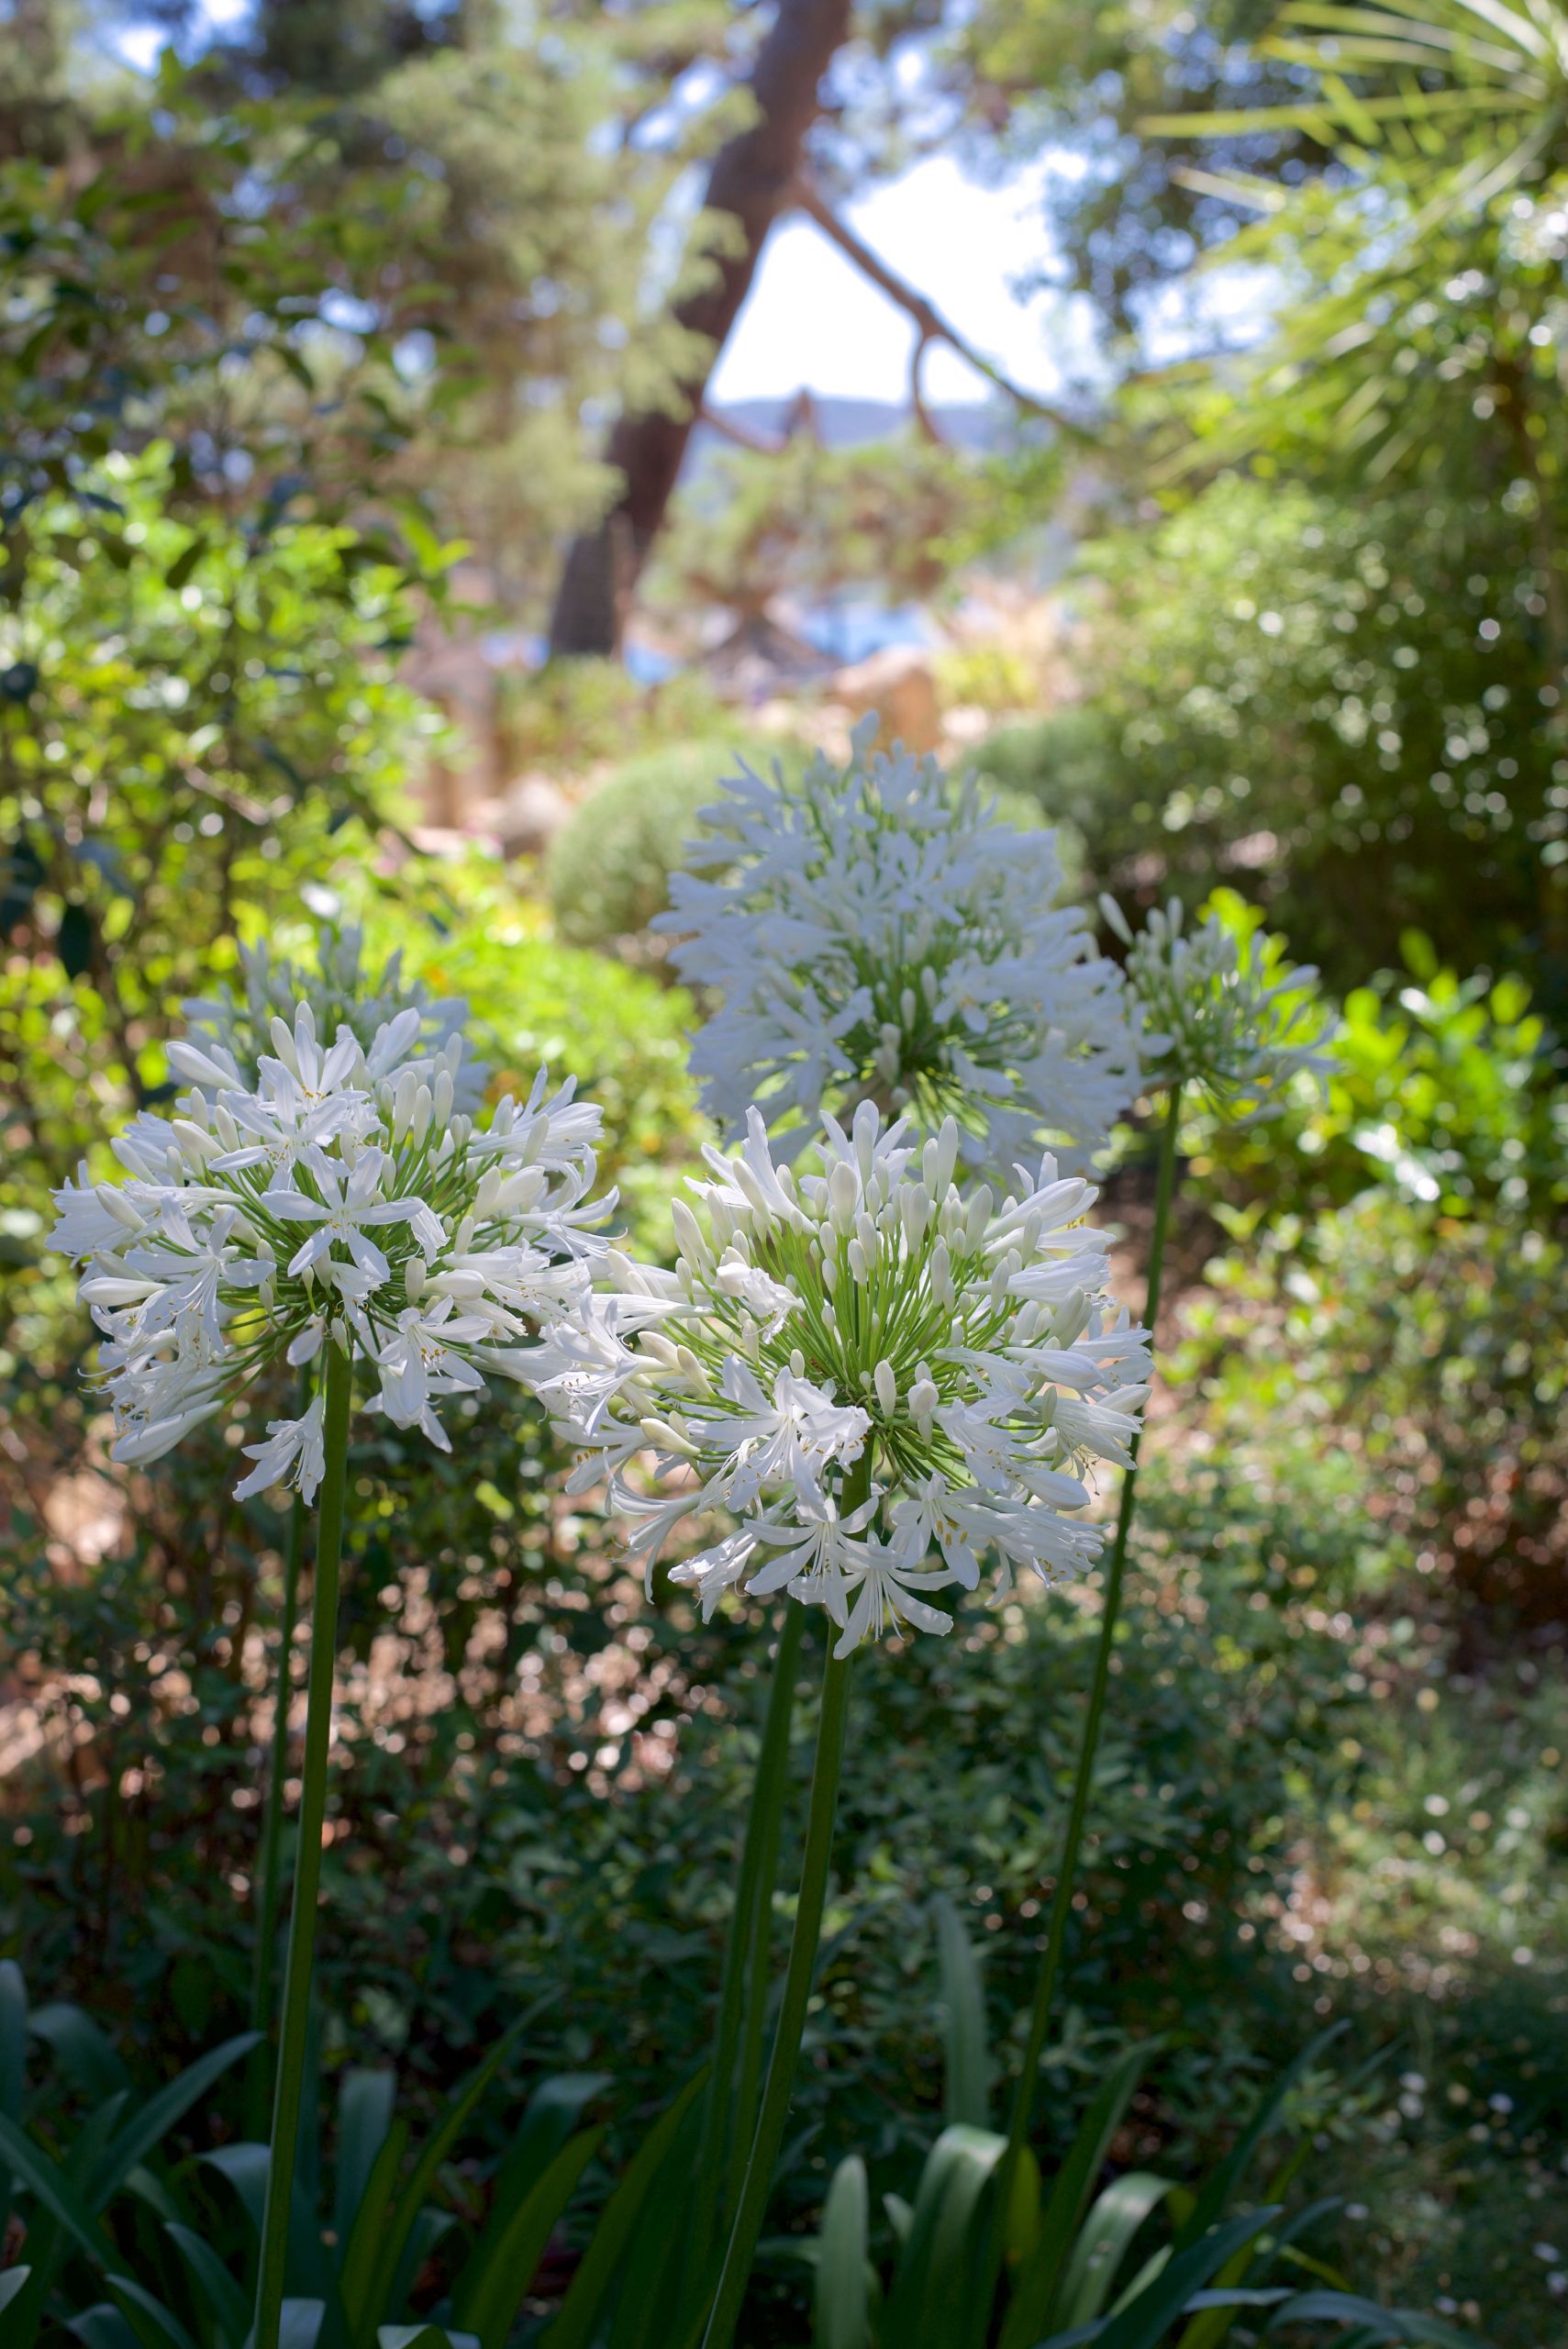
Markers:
(912, 1386)
(880, 933)
(1223, 1010)
(341, 1199)
(380, 1008)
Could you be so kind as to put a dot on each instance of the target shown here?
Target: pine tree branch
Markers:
(931, 326)
(729, 427)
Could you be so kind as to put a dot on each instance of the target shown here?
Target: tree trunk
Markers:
(751, 179)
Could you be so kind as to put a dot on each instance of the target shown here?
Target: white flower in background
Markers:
(342, 1198)
(880, 933)
(1222, 1012)
(887, 1385)
(381, 1010)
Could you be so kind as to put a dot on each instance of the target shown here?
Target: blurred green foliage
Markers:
(569, 716)
(608, 868)
(240, 339)
(809, 519)
(537, 1003)
(1341, 708)
(1450, 1092)
(200, 609)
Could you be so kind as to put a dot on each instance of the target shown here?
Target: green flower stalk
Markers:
(885, 1382)
(323, 1204)
(1227, 1019)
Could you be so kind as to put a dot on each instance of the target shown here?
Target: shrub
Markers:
(571, 715)
(608, 869)
(1338, 703)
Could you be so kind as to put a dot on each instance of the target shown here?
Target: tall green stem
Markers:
(1066, 1874)
(728, 2112)
(270, 1869)
(791, 2025)
(292, 2042)
(268, 1873)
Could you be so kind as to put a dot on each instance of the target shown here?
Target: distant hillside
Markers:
(843, 423)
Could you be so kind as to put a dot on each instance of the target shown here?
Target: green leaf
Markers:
(185, 561)
(388, 2251)
(643, 2183)
(245, 2167)
(366, 2102)
(103, 2327)
(1210, 2330)
(1037, 2288)
(844, 2276)
(147, 2128)
(504, 2260)
(360, 2252)
(651, 2278)
(12, 2282)
(301, 2326)
(74, 940)
(553, 2111)
(933, 2303)
(1218, 2189)
(1382, 2324)
(166, 2325)
(223, 2295)
(13, 2063)
(1101, 2246)
(968, 2066)
(1142, 2320)
(54, 2190)
(424, 2336)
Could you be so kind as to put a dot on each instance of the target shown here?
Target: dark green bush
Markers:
(608, 869)
(1339, 706)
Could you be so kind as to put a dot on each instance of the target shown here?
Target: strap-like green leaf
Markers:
(554, 2110)
(361, 2249)
(230, 2308)
(1103, 2242)
(54, 2190)
(13, 2281)
(83, 2053)
(1037, 2288)
(366, 2102)
(1217, 2189)
(424, 2336)
(843, 2270)
(147, 2317)
(1216, 2323)
(13, 2064)
(300, 2325)
(103, 2327)
(601, 2262)
(934, 2294)
(1141, 2321)
(12, 2038)
(147, 2128)
(1381, 2324)
(967, 2100)
(245, 2167)
(646, 2312)
(502, 2263)
(400, 2220)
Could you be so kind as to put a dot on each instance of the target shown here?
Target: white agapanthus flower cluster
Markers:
(342, 1197)
(1216, 1016)
(883, 1383)
(342, 992)
(880, 933)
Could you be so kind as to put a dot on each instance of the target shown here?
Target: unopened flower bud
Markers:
(843, 1194)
